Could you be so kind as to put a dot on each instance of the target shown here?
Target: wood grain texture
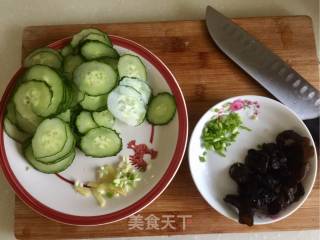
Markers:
(206, 76)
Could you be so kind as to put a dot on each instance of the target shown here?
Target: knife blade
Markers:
(265, 67)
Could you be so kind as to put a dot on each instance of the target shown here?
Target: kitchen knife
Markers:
(266, 68)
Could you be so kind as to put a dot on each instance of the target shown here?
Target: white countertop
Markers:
(15, 15)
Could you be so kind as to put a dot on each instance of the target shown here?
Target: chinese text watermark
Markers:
(163, 222)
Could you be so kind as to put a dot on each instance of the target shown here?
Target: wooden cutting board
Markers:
(206, 76)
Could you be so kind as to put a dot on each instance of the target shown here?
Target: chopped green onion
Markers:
(220, 132)
(202, 158)
(110, 194)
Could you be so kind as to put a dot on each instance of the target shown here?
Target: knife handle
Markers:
(313, 126)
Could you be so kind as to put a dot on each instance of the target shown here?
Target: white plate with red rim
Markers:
(56, 199)
(266, 118)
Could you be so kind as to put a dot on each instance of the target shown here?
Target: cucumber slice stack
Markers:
(41, 93)
(98, 139)
(14, 132)
(44, 56)
(92, 49)
(70, 63)
(73, 96)
(56, 167)
(83, 35)
(86, 121)
(52, 148)
(140, 86)
(127, 105)
(132, 66)
(128, 102)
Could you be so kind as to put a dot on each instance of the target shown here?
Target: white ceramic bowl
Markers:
(212, 177)
(56, 199)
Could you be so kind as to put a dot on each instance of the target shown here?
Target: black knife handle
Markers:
(313, 126)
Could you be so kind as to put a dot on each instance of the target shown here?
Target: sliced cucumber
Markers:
(113, 62)
(50, 138)
(48, 168)
(93, 50)
(65, 116)
(95, 78)
(75, 112)
(73, 101)
(23, 99)
(101, 142)
(104, 118)
(131, 66)
(71, 98)
(67, 148)
(44, 57)
(70, 63)
(94, 103)
(85, 32)
(67, 50)
(14, 132)
(11, 112)
(76, 95)
(85, 122)
(126, 104)
(161, 109)
(45, 113)
(47, 49)
(55, 82)
(140, 86)
(32, 97)
(96, 37)
(28, 125)
(67, 95)
(80, 95)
